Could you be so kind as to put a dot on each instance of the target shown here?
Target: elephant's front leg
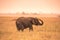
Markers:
(30, 28)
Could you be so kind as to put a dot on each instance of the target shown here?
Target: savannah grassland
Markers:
(50, 30)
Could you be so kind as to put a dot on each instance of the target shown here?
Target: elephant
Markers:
(27, 22)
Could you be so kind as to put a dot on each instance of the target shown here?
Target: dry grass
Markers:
(49, 31)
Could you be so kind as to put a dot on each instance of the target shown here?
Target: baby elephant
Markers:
(27, 22)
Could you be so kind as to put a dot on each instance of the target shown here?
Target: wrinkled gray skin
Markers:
(27, 22)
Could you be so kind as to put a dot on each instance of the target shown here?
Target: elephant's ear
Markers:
(33, 21)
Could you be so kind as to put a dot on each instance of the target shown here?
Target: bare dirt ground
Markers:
(49, 31)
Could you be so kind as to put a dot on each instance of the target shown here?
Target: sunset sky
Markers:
(45, 6)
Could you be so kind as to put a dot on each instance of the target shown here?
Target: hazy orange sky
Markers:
(45, 6)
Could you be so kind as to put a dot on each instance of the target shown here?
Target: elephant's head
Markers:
(37, 21)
